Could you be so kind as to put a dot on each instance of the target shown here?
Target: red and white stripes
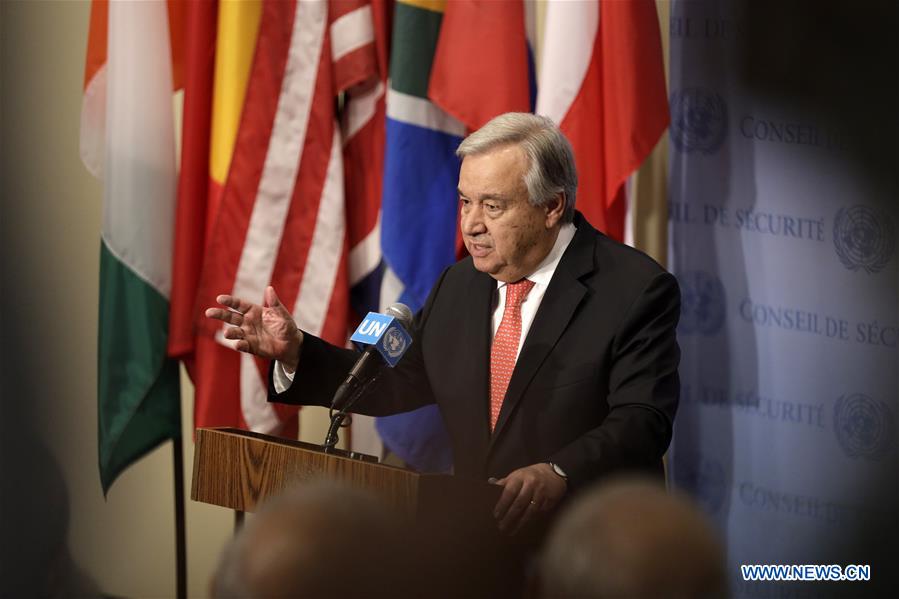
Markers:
(282, 220)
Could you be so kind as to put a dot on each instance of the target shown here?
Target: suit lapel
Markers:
(476, 341)
(562, 297)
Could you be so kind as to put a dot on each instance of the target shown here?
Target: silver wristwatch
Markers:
(558, 470)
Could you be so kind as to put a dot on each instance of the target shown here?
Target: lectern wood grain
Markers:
(451, 518)
(238, 469)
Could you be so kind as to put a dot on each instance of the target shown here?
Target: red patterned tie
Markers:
(505, 346)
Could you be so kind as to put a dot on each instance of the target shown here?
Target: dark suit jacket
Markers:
(595, 387)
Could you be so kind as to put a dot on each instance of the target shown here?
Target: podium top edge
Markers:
(297, 444)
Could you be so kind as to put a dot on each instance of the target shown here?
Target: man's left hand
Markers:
(527, 492)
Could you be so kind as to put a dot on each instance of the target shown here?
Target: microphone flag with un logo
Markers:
(384, 333)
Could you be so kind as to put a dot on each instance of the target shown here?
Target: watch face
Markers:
(558, 470)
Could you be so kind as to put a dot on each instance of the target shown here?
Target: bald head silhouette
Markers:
(318, 540)
(631, 538)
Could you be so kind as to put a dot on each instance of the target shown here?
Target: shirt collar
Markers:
(544, 271)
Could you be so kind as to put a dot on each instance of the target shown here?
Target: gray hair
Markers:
(551, 168)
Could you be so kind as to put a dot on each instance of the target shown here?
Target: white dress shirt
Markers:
(541, 277)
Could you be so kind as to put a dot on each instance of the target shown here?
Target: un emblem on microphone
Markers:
(863, 238)
(698, 120)
(702, 478)
(394, 343)
(864, 426)
(702, 303)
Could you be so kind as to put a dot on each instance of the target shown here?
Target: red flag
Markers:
(480, 67)
(602, 79)
(192, 213)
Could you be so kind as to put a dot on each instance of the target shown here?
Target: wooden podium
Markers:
(238, 469)
(451, 518)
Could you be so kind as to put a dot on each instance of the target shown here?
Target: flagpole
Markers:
(180, 543)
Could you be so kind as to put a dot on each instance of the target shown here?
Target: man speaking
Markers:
(550, 351)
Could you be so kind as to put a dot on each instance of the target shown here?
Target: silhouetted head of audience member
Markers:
(631, 538)
(318, 540)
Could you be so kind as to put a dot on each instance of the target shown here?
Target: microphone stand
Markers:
(338, 417)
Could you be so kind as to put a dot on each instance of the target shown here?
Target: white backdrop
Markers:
(788, 271)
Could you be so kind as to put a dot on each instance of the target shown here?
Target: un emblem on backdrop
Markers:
(863, 238)
(702, 303)
(698, 120)
(864, 426)
(704, 479)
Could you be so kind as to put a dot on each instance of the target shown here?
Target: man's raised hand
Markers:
(267, 331)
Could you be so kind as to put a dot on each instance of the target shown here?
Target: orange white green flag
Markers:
(128, 141)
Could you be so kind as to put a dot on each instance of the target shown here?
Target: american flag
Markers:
(276, 214)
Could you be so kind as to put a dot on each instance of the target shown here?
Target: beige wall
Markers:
(50, 236)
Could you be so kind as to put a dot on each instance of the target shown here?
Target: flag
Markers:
(481, 67)
(275, 206)
(363, 130)
(418, 211)
(602, 80)
(646, 223)
(217, 64)
(127, 139)
(454, 65)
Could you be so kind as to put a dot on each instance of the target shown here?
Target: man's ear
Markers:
(554, 210)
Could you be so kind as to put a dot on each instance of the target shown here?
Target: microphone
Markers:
(387, 339)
